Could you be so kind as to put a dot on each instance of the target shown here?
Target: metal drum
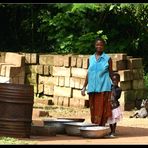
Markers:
(16, 105)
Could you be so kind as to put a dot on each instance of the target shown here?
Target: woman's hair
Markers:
(100, 39)
(117, 76)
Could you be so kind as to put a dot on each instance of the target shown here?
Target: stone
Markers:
(2, 57)
(85, 62)
(38, 122)
(66, 102)
(125, 75)
(40, 88)
(46, 70)
(47, 59)
(18, 60)
(3, 70)
(138, 74)
(61, 101)
(82, 81)
(78, 72)
(61, 81)
(73, 61)
(46, 80)
(34, 58)
(40, 69)
(125, 85)
(138, 84)
(43, 101)
(56, 80)
(79, 62)
(21, 80)
(135, 63)
(31, 78)
(48, 89)
(118, 56)
(119, 65)
(58, 60)
(77, 82)
(127, 100)
(67, 60)
(72, 82)
(14, 80)
(27, 58)
(67, 81)
(62, 91)
(55, 100)
(30, 69)
(77, 94)
(40, 113)
(61, 71)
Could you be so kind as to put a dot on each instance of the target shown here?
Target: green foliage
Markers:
(72, 28)
(146, 79)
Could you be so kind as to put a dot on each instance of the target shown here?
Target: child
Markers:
(116, 111)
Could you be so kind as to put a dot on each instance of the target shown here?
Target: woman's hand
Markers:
(83, 91)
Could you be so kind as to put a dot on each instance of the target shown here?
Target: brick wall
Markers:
(61, 77)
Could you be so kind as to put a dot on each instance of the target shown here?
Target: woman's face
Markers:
(99, 46)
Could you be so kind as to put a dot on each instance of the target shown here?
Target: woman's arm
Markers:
(110, 68)
(84, 86)
(85, 83)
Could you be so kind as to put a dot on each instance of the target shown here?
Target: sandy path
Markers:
(130, 131)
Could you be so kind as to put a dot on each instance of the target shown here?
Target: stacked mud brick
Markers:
(12, 68)
(132, 82)
(61, 78)
(58, 77)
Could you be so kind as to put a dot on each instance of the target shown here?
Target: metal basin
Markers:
(94, 132)
(73, 129)
(58, 124)
(74, 119)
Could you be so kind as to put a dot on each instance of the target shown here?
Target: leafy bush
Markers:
(72, 28)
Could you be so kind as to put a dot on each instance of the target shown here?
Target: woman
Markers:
(99, 84)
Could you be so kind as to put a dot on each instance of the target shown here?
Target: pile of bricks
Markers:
(131, 75)
(12, 68)
(58, 77)
(61, 77)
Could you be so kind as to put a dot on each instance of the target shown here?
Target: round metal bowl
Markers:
(94, 132)
(74, 119)
(73, 129)
(58, 124)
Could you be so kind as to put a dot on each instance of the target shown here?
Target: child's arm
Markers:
(117, 94)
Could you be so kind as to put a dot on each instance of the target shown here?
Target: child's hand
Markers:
(83, 91)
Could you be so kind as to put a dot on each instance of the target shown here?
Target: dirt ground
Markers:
(129, 131)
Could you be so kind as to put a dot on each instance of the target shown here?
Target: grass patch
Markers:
(8, 140)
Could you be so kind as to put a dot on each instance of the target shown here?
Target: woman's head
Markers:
(99, 45)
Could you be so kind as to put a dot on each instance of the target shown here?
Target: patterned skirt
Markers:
(100, 107)
(116, 116)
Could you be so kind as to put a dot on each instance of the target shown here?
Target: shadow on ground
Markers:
(122, 132)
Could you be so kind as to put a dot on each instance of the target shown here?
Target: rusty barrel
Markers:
(16, 105)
